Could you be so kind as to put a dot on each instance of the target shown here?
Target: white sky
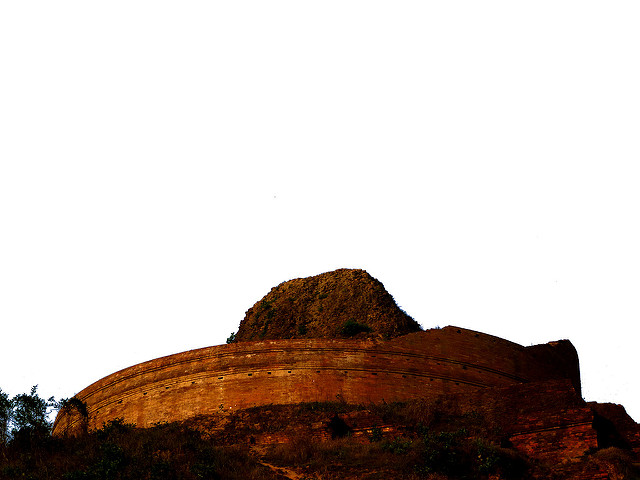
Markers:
(164, 164)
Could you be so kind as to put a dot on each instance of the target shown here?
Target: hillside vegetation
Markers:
(344, 303)
(413, 440)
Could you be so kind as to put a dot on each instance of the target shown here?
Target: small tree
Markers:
(29, 414)
(5, 417)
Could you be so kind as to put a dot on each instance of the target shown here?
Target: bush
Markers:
(443, 453)
(398, 446)
(351, 328)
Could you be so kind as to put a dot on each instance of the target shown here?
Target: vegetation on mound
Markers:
(171, 451)
(406, 440)
(344, 303)
(430, 440)
(449, 455)
(120, 451)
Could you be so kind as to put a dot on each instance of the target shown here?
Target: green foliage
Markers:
(30, 411)
(231, 338)
(24, 418)
(114, 429)
(265, 328)
(207, 465)
(73, 403)
(492, 459)
(264, 306)
(111, 462)
(489, 457)
(351, 328)
(398, 446)
(456, 455)
(5, 417)
(442, 453)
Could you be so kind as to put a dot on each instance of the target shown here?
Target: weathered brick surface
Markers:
(557, 443)
(227, 378)
(548, 420)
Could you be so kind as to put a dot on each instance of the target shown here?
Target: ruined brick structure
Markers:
(288, 351)
(533, 393)
(225, 378)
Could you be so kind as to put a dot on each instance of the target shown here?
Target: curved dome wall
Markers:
(215, 380)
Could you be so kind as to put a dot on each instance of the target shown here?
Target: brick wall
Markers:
(547, 420)
(227, 378)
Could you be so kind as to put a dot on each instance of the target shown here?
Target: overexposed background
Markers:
(164, 164)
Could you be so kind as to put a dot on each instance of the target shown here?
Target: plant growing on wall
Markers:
(74, 403)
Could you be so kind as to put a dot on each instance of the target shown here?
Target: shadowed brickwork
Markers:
(227, 378)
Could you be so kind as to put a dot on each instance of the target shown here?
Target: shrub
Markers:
(351, 328)
(398, 446)
(375, 434)
(442, 453)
